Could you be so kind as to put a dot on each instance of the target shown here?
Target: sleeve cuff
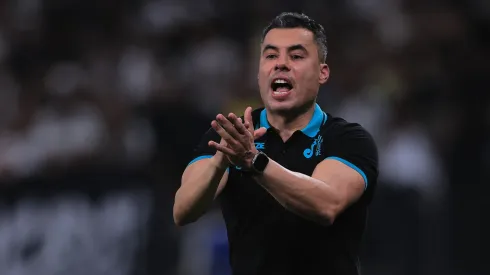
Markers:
(199, 158)
(351, 165)
(204, 157)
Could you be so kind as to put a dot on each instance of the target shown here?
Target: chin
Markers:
(281, 106)
(287, 107)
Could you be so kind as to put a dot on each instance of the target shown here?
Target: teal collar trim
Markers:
(319, 118)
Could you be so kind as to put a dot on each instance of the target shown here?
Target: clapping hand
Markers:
(237, 138)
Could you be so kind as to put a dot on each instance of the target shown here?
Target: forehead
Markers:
(283, 38)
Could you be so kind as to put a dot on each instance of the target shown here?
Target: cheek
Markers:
(311, 75)
(264, 69)
(263, 84)
(263, 76)
(307, 78)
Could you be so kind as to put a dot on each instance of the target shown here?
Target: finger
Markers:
(238, 124)
(260, 132)
(223, 142)
(248, 119)
(225, 150)
(223, 133)
(228, 126)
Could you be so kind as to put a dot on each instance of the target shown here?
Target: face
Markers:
(290, 71)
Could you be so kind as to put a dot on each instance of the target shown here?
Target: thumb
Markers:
(259, 132)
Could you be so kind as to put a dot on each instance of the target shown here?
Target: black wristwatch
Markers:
(259, 162)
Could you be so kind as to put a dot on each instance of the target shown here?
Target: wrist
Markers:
(220, 161)
(259, 162)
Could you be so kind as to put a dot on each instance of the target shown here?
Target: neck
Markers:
(287, 123)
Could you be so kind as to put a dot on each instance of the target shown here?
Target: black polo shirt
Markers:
(265, 238)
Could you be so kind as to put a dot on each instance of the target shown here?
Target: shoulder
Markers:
(257, 112)
(351, 144)
(343, 137)
(257, 115)
(338, 125)
(341, 129)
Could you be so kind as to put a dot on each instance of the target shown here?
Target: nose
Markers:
(282, 64)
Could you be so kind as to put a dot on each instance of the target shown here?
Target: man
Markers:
(294, 182)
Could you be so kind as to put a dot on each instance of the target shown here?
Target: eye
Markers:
(296, 56)
(270, 56)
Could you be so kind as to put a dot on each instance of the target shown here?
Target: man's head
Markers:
(292, 62)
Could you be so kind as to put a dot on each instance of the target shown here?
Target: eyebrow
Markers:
(290, 48)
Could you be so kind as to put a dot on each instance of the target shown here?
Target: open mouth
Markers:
(281, 85)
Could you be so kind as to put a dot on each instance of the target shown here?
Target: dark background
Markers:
(102, 102)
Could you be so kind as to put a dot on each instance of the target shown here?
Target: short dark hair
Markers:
(290, 20)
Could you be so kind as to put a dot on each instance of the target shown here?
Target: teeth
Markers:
(280, 81)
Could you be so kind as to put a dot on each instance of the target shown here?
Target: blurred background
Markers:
(102, 103)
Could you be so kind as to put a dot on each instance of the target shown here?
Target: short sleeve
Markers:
(356, 148)
(202, 150)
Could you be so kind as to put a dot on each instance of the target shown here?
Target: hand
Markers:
(237, 142)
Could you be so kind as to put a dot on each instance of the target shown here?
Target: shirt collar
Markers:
(319, 118)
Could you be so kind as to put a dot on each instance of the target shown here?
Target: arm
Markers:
(322, 197)
(202, 182)
(203, 179)
(336, 183)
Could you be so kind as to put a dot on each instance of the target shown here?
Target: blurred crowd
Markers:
(102, 103)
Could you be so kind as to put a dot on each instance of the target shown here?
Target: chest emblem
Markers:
(315, 148)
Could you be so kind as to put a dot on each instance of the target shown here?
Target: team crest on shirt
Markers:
(315, 148)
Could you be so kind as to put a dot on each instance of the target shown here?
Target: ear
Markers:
(324, 73)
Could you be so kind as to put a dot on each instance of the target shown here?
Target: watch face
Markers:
(261, 162)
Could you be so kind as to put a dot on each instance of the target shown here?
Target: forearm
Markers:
(308, 197)
(198, 189)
